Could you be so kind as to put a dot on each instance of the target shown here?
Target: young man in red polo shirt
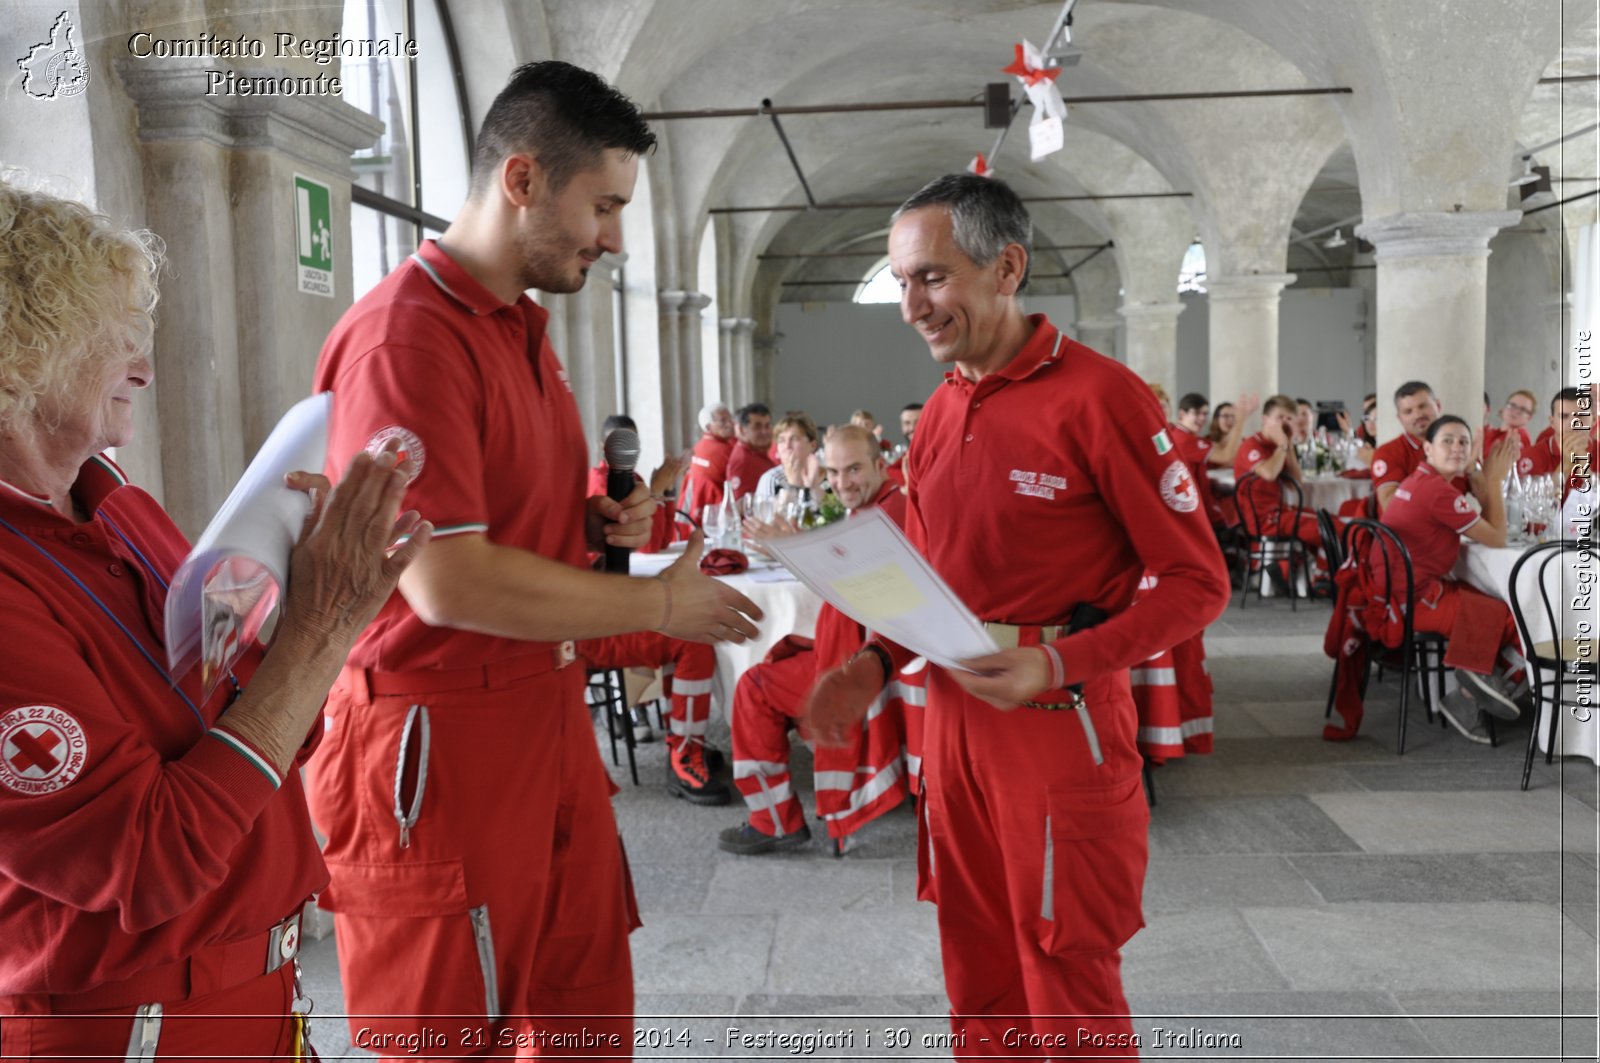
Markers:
(476, 869)
(708, 465)
(1270, 456)
(1570, 435)
(1041, 488)
(859, 782)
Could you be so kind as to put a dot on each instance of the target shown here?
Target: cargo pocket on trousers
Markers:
(1096, 845)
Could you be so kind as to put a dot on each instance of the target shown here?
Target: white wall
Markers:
(1523, 345)
(836, 357)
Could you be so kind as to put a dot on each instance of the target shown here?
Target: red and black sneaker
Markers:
(692, 780)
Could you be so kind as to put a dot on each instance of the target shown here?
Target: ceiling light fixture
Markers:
(1336, 240)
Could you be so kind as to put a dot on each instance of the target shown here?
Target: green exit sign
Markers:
(313, 228)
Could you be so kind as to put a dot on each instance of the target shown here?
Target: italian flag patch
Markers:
(1162, 442)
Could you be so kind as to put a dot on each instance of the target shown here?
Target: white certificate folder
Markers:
(867, 569)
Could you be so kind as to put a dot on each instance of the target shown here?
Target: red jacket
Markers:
(745, 466)
(133, 832)
(708, 467)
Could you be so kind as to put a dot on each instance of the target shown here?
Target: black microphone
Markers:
(622, 454)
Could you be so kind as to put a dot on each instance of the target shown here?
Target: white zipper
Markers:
(485, 940)
(146, 1033)
(406, 817)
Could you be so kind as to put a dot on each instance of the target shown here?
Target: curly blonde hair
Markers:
(75, 292)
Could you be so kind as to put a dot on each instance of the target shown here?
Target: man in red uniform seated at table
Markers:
(478, 880)
(751, 455)
(1416, 407)
(708, 464)
(1514, 417)
(687, 668)
(1038, 491)
(909, 413)
(1430, 516)
(1269, 455)
(1569, 437)
(771, 696)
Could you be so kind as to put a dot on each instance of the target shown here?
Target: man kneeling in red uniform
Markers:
(771, 696)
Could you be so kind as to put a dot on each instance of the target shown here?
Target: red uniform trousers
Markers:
(249, 1019)
(1035, 855)
(913, 683)
(507, 906)
(1173, 693)
(768, 700)
(1487, 641)
(687, 669)
(1282, 522)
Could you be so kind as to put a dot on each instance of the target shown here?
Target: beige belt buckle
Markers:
(283, 943)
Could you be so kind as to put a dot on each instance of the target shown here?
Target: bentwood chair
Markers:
(1558, 664)
(1420, 653)
(1332, 546)
(1264, 550)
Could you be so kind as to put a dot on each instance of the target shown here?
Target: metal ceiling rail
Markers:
(787, 207)
(1563, 202)
(975, 101)
(802, 284)
(766, 107)
(881, 252)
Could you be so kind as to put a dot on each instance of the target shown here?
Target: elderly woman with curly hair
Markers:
(155, 849)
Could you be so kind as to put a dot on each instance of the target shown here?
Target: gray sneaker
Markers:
(1492, 693)
(1461, 712)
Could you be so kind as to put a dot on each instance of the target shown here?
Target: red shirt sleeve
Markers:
(1449, 506)
(1387, 466)
(149, 834)
(433, 401)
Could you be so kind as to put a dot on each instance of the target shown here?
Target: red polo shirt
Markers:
(1545, 458)
(1051, 483)
(132, 831)
(745, 466)
(1196, 454)
(1429, 514)
(1395, 460)
(432, 356)
(1491, 436)
(708, 467)
(1261, 498)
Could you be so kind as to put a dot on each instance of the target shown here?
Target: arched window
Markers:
(1192, 274)
(414, 178)
(880, 286)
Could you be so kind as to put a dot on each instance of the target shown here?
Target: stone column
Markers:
(690, 373)
(763, 349)
(236, 340)
(1432, 290)
(1243, 336)
(1099, 334)
(675, 426)
(591, 351)
(736, 351)
(1152, 336)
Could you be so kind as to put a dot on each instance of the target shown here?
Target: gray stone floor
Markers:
(1317, 900)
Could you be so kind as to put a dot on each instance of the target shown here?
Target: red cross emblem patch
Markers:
(1178, 490)
(42, 749)
(410, 447)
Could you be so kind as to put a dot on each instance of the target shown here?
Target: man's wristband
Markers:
(1058, 671)
(883, 659)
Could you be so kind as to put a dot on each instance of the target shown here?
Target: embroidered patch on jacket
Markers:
(1462, 505)
(1178, 490)
(1162, 441)
(1379, 467)
(42, 749)
(410, 447)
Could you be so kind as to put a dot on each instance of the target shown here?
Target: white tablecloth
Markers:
(1331, 492)
(790, 608)
(1489, 570)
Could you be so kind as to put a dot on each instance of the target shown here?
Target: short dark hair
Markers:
(1302, 402)
(564, 115)
(1577, 395)
(908, 407)
(1192, 401)
(1447, 419)
(985, 216)
(746, 412)
(1410, 388)
(615, 421)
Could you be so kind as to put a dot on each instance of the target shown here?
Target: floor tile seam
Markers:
(1266, 950)
(1289, 859)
